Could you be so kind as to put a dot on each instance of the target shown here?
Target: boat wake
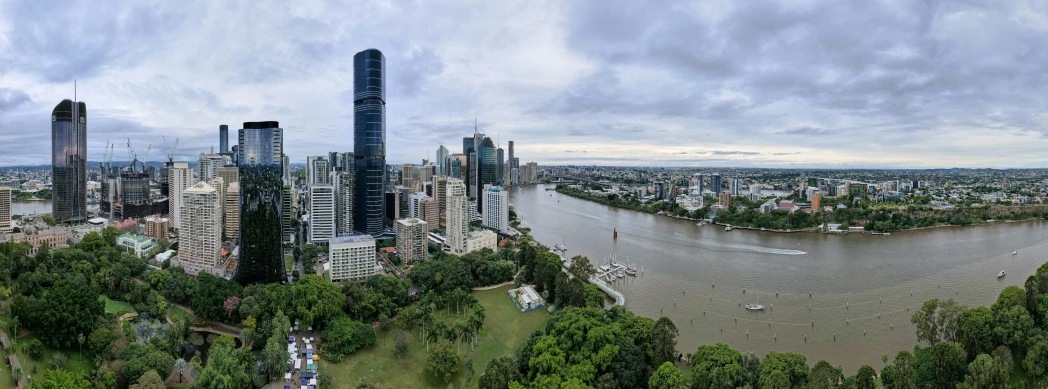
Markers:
(764, 250)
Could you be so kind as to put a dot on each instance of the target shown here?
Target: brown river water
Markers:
(863, 288)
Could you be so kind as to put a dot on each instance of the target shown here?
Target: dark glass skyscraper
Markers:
(260, 156)
(369, 140)
(69, 161)
(223, 138)
(500, 166)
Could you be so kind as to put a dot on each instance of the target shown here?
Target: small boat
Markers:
(605, 268)
(1014, 252)
(1001, 274)
(755, 306)
(728, 228)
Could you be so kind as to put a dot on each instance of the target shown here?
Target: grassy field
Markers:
(176, 311)
(115, 307)
(288, 260)
(505, 329)
(77, 362)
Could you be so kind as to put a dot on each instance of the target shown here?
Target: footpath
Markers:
(13, 360)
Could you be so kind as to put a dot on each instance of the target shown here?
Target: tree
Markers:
(975, 331)
(35, 348)
(69, 311)
(226, 367)
(401, 341)
(1013, 325)
(499, 373)
(343, 336)
(985, 372)
(581, 268)
(664, 341)
(865, 378)
(150, 380)
(793, 365)
(181, 366)
(888, 376)
(938, 320)
(275, 356)
(1036, 361)
(50, 220)
(823, 376)
(139, 359)
(1011, 296)
(776, 379)
(61, 378)
(442, 362)
(715, 366)
(949, 362)
(666, 377)
(109, 235)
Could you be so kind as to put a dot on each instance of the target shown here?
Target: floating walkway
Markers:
(618, 297)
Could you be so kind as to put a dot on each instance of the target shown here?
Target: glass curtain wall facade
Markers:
(260, 151)
(487, 164)
(369, 140)
(69, 161)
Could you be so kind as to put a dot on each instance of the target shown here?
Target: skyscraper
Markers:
(260, 152)
(500, 166)
(442, 161)
(496, 208)
(5, 209)
(411, 239)
(487, 158)
(369, 139)
(231, 208)
(223, 138)
(69, 161)
(200, 243)
(178, 179)
(456, 166)
(715, 183)
(457, 215)
(342, 180)
(322, 208)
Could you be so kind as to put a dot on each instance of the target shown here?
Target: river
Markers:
(864, 288)
(30, 207)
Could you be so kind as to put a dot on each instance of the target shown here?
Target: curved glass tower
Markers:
(369, 140)
(260, 149)
(69, 161)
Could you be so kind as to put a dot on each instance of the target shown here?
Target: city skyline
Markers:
(748, 85)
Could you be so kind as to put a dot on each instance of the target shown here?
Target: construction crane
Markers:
(146, 159)
(170, 151)
(130, 155)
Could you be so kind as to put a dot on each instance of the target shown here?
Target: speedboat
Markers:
(728, 228)
(1001, 274)
(1015, 252)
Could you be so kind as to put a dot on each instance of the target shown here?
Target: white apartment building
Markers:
(457, 215)
(178, 178)
(496, 208)
(321, 213)
(412, 239)
(231, 207)
(351, 257)
(200, 241)
(483, 239)
(415, 204)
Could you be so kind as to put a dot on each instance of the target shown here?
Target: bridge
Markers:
(562, 179)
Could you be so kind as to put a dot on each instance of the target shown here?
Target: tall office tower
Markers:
(408, 176)
(223, 138)
(429, 211)
(260, 151)
(442, 161)
(500, 166)
(425, 174)
(369, 139)
(318, 170)
(514, 174)
(487, 166)
(286, 167)
(496, 208)
(321, 213)
(440, 191)
(69, 161)
(411, 239)
(352, 258)
(5, 209)
(457, 215)
(699, 183)
(229, 174)
(455, 165)
(200, 241)
(514, 166)
(469, 168)
(510, 147)
(715, 183)
(231, 209)
(178, 179)
(208, 164)
(533, 171)
(735, 186)
(164, 174)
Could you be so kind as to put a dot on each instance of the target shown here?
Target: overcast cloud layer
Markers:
(692, 83)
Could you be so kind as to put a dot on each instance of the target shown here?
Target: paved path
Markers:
(13, 359)
(490, 287)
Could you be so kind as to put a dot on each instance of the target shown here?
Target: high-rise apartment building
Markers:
(412, 239)
(715, 184)
(5, 209)
(736, 186)
(457, 215)
(207, 165)
(429, 211)
(220, 186)
(369, 140)
(178, 179)
(415, 204)
(496, 208)
(352, 258)
(514, 167)
(229, 174)
(259, 156)
(200, 241)
(440, 191)
(409, 176)
(69, 161)
(231, 209)
(156, 227)
(285, 214)
(322, 208)
(425, 175)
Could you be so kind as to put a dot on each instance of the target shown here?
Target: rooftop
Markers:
(351, 239)
(137, 238)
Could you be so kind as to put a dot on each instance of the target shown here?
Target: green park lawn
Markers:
(505, 329)
(288, 263)
(116, 307)
(77, 362)
(176, 311)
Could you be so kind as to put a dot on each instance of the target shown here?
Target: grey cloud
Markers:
(12, 98)
(733, 152)
(413, 70)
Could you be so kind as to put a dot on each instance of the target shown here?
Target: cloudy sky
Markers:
(894, 83)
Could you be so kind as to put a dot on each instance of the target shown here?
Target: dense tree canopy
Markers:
(343, 336)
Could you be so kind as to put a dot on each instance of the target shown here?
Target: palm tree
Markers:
(475, 324)
(80, 339)
(424, 315)
(456, 334)
(16, 373)
(181, 365)
(434, 333)
(468, 333)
